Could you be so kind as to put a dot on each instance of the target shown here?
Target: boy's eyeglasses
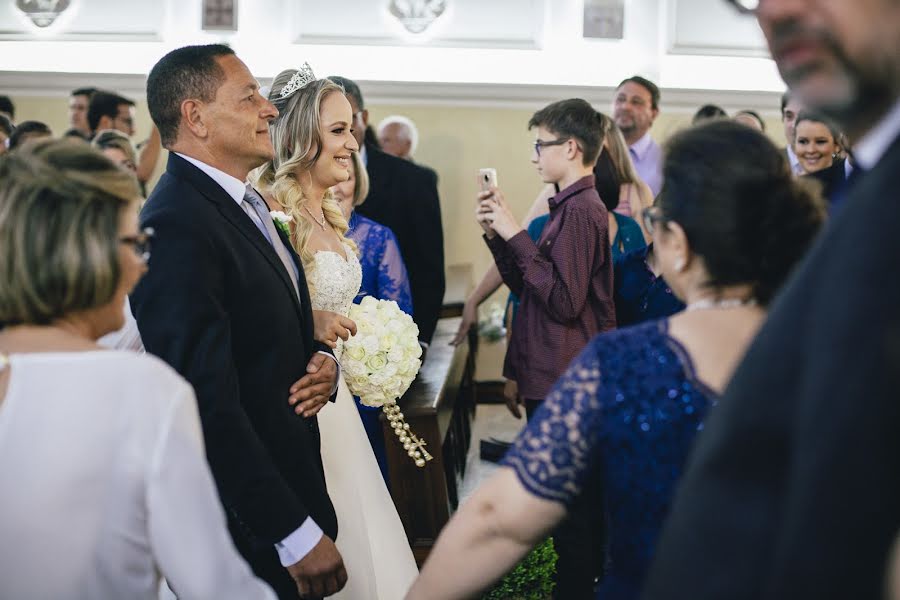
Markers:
(538, 144)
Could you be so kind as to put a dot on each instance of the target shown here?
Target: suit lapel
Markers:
(238, 219)
(302, 286)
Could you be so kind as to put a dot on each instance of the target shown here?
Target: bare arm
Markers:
(540, 206)
(149, 156)
(490, 283)
(489, 534)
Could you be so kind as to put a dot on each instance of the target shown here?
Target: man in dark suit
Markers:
(793, 488)
(226, 304)
(404, 197)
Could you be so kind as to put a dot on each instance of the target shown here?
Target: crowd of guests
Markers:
(708, 416)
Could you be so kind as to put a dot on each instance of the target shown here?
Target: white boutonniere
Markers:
(282, 221)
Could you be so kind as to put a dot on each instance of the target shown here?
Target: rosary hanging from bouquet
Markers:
(381, 361)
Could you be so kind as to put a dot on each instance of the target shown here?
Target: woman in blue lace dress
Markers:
(383, 276)
(630, 405)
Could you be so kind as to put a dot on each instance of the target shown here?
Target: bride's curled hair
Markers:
(297, 141)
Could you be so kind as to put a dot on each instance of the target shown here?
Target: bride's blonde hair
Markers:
(297, 140)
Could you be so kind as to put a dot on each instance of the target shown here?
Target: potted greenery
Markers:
(531, 579)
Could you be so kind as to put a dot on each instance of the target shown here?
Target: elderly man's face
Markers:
(394, 139)
(840, 57)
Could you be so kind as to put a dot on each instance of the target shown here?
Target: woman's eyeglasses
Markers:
(140, 243)
(651, 216)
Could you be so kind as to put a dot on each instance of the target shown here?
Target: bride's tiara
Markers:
(303, 76)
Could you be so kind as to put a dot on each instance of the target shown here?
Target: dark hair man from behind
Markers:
(111, 111)
(574, 118)
(192, 72)
(28, 130)
(8, 108)
(708, 112)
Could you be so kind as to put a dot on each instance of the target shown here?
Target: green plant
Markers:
(531, 579)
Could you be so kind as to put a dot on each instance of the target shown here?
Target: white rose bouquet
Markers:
(380, 362)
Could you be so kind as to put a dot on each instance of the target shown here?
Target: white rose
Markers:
(370, 344)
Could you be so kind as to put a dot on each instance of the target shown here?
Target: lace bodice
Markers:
(334, 280)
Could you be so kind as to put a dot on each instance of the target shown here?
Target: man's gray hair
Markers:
(412, 134)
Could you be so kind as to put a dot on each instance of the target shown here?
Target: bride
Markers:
(313, 151)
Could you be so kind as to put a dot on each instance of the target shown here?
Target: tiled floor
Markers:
(491, 420)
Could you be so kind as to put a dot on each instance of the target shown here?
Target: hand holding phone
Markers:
(487, 179)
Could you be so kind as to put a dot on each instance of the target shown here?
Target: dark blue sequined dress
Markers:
(627, 410)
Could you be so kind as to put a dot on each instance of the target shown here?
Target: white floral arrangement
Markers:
(282, 221)
(381, 361)
(492, 326)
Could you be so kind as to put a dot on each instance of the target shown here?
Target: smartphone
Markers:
(487, 178)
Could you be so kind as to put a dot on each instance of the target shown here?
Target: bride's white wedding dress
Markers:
(371, 539)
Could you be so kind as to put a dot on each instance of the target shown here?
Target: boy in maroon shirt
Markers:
(564, 282)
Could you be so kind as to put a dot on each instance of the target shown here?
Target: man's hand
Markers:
(513, 400)
(496, 212)
(329, 326)
(312, 391)
(321, 572)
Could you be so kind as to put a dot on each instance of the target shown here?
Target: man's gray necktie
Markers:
(267, 227)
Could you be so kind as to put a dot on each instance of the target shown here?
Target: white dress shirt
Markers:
(796, 168)
(106, 486)
(303, 539)
(869, 150)
(647, 158)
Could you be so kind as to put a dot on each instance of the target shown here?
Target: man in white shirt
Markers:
(635, 107)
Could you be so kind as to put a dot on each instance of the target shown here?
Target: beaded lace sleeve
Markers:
(555, 451)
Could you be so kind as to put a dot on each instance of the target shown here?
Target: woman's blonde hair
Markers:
(296, 136)
(113, 138)
(621, 158)
(361, 181)
(60, 207)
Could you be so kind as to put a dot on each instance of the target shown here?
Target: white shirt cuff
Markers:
(336, 379)
(294, 547)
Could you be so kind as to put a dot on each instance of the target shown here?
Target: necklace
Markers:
(320, 222)
(721, 303)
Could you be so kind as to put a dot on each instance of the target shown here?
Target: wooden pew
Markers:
(439, 407)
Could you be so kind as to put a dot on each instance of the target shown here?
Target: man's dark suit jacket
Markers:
(793, 489)
(218, 305)
(404, 197)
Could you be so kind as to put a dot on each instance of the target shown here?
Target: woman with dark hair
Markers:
(102, 466)
(629, 406)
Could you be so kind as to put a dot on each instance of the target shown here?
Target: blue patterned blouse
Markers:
(383, 271)
(627, 411)
(383, 277)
